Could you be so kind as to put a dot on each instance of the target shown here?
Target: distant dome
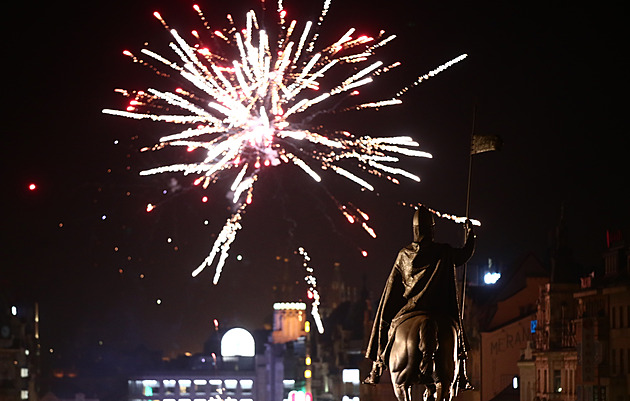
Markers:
(238, 342)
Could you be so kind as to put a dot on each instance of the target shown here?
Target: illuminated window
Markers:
(351, 376)
(230, 386)
(246, 387)
(215, 387)
(150, 387)
(24, 394)
(24, 372)
(557, 381)
(184, 386)
(169, 386)
(199, 385)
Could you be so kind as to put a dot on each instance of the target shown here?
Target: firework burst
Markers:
(248, 103)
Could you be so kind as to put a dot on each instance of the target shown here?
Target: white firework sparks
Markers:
(313, 293)
(250, 111)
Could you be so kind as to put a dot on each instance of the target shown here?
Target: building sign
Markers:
(500, 351)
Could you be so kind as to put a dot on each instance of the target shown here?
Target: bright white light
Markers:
(200, 381)
(515, 382)
(247, 384)
(351, 376)
(491, 278)
(289, 305)
(238, 342)
(14, 310)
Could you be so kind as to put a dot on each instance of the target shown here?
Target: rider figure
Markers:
(422, 281)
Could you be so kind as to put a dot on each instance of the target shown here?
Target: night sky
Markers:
(550, 80)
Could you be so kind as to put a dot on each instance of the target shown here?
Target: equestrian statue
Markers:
(417, 331)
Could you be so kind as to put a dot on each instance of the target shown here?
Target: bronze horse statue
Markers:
(424, 351)
(417, 328)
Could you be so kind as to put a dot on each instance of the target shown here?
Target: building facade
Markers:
(581, 346)
(19, 352)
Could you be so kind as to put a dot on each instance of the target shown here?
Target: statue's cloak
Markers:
(422, 281)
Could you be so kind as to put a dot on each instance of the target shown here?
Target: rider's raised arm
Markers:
(462, 255)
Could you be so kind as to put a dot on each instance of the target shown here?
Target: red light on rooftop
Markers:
(32, 186)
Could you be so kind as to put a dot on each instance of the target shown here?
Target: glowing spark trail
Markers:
(312, 290)
(247, 103)
(456, 219)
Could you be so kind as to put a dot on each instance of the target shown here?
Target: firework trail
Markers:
(442, 215)
(312, 293)
(247, 104)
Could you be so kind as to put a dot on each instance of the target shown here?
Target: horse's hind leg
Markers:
(445, 361)
(404, 359)
(429, 392)
(403, 392)
(428, 331)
